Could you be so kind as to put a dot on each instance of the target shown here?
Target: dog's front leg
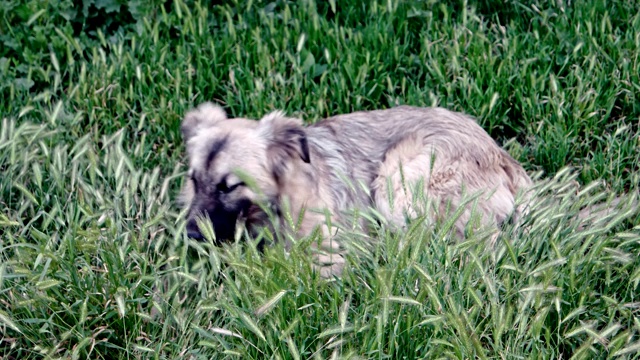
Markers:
(328, 253)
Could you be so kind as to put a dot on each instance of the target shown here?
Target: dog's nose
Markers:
(193, 231)
(195, 235)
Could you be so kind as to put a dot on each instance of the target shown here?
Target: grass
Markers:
(93, 258)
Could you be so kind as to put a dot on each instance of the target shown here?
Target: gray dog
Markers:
(240, 168)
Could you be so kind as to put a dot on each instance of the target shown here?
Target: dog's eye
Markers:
(224, 188)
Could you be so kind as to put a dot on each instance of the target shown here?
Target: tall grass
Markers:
(93, 258)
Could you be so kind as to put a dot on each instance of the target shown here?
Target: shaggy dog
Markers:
(242, 169)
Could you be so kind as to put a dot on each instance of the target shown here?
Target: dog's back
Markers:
(447, 152)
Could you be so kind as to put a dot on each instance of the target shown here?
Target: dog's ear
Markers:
(204, 116)
(286, 138)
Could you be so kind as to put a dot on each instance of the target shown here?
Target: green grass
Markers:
(93, 258)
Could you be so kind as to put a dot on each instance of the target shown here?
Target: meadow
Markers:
(94, 262)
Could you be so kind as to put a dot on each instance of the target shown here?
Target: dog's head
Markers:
(236, 166)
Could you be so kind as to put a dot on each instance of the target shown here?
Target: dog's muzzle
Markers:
(223, 221)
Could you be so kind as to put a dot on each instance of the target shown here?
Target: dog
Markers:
(240, 170)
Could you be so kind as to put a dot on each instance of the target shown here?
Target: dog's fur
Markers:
(353, 161)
